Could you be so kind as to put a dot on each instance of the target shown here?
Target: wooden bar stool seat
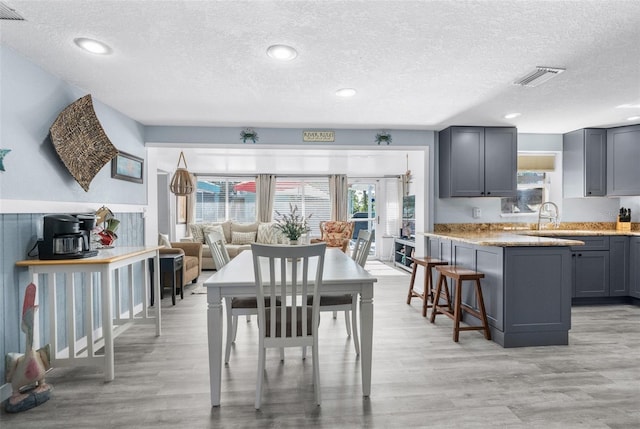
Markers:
(460, 274)
(427, 293)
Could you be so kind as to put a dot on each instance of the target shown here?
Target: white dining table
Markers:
(341, 275)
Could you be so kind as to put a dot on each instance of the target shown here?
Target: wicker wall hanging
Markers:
(81, 142)
(181, 183)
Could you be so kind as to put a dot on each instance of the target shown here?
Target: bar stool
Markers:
(460, 274)
(427, 293)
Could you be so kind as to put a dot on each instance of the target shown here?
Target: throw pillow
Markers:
(163, 240)
(267, 234)
(242, 237)
(196, 232)
(214, 228)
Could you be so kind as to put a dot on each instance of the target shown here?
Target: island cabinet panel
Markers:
(623, 157)
(490, 261)
(440, 249)
(634, 263)
(619, 268)
(537, 296)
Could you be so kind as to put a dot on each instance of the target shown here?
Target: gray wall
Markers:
(30, 100)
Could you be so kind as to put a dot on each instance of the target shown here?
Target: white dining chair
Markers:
(292, 274)
(349, 302)
(234, 306)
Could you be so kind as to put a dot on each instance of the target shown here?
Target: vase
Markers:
(293, 242)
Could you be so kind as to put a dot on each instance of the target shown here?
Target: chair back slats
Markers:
(218, 249)
(291, 273)
(362, 247)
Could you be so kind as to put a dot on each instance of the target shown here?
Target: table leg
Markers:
(173, 283)
(214, 332)
(366, 336)
(158, 288)
(107, 322)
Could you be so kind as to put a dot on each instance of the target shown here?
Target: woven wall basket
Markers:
(81, 142)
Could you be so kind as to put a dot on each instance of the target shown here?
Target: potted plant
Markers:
(292, 225)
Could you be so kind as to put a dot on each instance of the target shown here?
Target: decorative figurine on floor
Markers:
(26, 371)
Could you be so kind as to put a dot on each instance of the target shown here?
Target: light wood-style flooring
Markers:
(420, 377)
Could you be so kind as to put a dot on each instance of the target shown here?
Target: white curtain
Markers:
(394, 190)
(191, 202)
(339, 193)
(265, 195)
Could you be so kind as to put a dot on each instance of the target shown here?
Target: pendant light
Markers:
(181, 183)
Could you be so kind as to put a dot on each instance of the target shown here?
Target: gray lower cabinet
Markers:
(590, 273)
(590, 267)
(623, 157)
(619, 268)
(634, 263)
(526, 290)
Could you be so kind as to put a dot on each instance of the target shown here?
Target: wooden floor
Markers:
(420, 378)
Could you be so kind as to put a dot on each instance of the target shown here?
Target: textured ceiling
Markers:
(415, 64)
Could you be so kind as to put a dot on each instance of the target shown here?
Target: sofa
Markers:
(191, 261)
(238, 237)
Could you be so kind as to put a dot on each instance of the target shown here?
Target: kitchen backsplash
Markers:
(477, 227)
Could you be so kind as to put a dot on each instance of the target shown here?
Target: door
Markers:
(362, 208)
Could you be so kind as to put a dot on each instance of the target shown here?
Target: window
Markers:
(219, 199)
(533, 184)
(310, 195)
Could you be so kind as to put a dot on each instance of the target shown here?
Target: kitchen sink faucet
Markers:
(549, 211)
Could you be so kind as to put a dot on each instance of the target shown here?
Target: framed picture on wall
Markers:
(181, 208)
(127, 167)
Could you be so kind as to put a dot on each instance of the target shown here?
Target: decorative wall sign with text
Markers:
(318, 136)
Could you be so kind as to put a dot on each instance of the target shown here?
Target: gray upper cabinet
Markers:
(584, 162)
(623, 159)
(478, 162)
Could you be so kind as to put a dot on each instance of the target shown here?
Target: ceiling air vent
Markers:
(538, 76)
(7, 13)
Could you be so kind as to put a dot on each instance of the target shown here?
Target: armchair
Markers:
(192, 261)
(335, 233)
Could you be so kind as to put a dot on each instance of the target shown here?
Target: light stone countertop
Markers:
(578, 233)
(503, 239)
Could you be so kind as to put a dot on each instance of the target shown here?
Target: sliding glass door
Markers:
(362, 207)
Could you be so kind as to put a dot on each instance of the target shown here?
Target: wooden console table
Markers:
(82, 351)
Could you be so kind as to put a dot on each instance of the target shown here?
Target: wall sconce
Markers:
(181, 183)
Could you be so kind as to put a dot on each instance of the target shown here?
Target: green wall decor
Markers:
(3, 152)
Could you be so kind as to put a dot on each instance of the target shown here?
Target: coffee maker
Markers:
(63, 238)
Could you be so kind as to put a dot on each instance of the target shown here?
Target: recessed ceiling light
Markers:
(281, 52)
(346, 92)
(633, 118)
(93, 46)
(512, 115)
(629, 106)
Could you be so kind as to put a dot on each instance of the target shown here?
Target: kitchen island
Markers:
(527, 285)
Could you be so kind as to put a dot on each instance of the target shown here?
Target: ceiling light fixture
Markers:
(629, 106)
(512, 115)
(281, 52)
(93, 46)
(346, 92)
(633, 118)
